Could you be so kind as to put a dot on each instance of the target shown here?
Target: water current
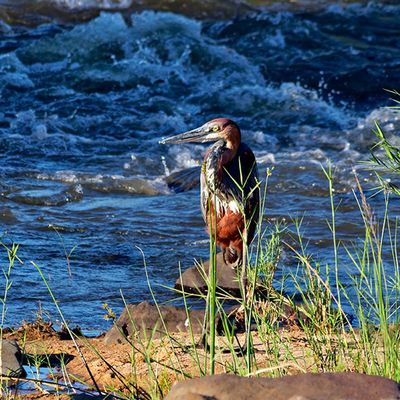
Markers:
(85, 100)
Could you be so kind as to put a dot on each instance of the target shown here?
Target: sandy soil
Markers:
(124, 367)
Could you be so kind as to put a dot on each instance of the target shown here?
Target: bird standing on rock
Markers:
(229, 186)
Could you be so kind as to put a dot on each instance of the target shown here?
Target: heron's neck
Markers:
(232, 139)
(212, 164)
(229, 151)
(216, 159)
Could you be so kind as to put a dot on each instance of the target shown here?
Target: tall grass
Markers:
(363, 337)
(211, 302)
(12, 258)
(377, 287)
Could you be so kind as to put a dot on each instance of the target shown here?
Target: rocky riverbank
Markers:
(147, 364)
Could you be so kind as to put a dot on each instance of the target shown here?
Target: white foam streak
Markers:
(89, 4)
(110, 183)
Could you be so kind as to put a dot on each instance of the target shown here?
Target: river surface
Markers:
(84, 103)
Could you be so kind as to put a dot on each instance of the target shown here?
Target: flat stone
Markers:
(192, 280)
(326, 386)
(11, 359)
(144, 319)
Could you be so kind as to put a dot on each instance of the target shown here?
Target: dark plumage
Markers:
(229, 186)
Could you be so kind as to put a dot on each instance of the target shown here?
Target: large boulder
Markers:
(327, 386)
(193, 279)
(147, 320)
(11, 359)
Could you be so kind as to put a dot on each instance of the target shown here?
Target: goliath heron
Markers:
(229, 186)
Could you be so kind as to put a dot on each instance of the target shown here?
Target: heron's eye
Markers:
(215, 128)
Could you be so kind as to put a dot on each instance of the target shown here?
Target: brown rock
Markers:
(328, 386)
(143, 318)
(192, 280)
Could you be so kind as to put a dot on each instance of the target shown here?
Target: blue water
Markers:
(84, 103)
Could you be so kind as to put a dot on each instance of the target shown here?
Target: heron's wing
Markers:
(184, 180)
(240, 182)
(237, 183)
(240, 176)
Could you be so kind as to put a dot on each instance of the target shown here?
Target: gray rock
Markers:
(144, 318)
(184, 180)
(11, 359)
(192, 280)
(328, 386)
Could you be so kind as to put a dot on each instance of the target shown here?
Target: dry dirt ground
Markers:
(150, 366)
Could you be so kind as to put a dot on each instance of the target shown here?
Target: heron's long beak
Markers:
(199, 135)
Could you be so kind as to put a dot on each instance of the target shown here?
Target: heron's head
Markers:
(212, 131)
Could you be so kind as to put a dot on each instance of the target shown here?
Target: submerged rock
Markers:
(148, 321)
(184, 180)
(327, 386)
(11, 359)
(73, 193)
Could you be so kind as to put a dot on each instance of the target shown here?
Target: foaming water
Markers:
(84, 185)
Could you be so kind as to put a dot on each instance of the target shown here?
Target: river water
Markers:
(86, 96)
